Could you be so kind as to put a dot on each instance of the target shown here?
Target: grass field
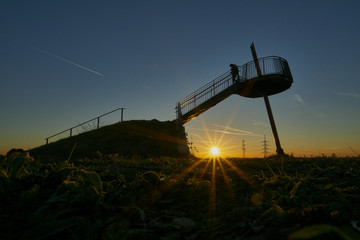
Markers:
(111, 197)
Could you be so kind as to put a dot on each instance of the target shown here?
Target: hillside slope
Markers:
(130, 138)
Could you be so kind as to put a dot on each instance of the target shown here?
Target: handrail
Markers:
(268, 65)
(98, 123)
(204, 93)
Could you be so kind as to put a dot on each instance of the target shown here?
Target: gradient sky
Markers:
(65, 62)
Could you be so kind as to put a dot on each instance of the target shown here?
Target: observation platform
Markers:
(275, 78)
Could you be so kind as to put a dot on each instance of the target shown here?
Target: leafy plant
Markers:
(317, 230)
(18, 164)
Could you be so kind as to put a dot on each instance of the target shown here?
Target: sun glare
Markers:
(214, 151)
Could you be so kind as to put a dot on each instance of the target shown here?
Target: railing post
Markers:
(264, 71)
(122, 112)
(195, 101)
(70, 132)
(213, 92)
(282, 66)
(47, 141)
(246, 66)
(98, 122)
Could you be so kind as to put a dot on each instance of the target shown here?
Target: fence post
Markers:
(98, 122)
(70, 132)
(122, 113)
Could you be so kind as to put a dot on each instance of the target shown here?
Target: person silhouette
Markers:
(234, 73)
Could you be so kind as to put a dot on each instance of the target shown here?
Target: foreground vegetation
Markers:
(111, 197)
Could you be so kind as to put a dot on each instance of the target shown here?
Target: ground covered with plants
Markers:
(112, 197)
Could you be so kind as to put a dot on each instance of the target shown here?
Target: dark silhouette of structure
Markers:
(265, 147)
(243, 148)
(261, 77)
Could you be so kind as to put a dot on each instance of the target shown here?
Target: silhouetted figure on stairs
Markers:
(234, 73)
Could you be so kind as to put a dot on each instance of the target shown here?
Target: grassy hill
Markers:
(140, 138)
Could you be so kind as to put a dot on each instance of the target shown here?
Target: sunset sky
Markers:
(65, 62)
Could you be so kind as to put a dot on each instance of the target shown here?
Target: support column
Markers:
(279, 150)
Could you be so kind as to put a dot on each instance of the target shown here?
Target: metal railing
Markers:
(268, 65)
(204, 93)
(97, 127)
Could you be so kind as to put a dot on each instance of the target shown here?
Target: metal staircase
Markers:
(276, 77)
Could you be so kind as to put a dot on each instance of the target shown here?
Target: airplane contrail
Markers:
(58, 57)
(236, 130)
(65, 60)
(232, 132)
(354, 95)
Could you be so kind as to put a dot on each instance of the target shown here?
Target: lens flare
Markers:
(214, 151)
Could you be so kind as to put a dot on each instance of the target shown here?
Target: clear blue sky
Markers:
(64, 62)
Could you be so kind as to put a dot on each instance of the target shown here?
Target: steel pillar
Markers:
(279, 150)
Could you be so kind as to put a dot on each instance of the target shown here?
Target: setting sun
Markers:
(214, 151)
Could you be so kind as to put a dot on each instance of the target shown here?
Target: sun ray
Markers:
(206, 132)
(204, 170)
(241, 174)
(180, 176)
(216, 138)
(226, 178)
(212, 200)
(216, 145)
(229, 122)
